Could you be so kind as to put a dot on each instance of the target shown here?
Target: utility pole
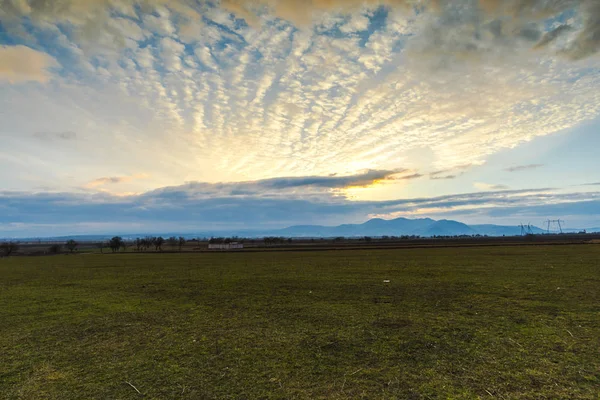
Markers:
(553, 222)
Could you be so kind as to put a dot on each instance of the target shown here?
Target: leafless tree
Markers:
(9, 247)
(71, 245)
(158, 243)
(115, 243)
(172, 241)
(55, 248)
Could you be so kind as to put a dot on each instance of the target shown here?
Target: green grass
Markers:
(499, 322)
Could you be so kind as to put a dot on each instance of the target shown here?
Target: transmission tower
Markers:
(554, 222)
(526, 229)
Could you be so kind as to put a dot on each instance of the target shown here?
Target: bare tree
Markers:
(269, 240)
(115, 243)
(158, 243)
(9, 247)
(71, 245)
(181, 242)
(55, 248)
(172, 241)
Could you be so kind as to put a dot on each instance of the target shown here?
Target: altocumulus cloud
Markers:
(289, 87)
(21, 64)
(490, 14)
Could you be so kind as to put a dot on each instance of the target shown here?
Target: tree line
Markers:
(115, 244)
(8, 248)
(225, 240)
(155, 243)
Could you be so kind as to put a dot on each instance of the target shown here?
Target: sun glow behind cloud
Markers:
(354, 91)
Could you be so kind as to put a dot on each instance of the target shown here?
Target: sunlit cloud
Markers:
(22, 64)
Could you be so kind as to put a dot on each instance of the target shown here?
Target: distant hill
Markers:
(449, 228)
(425, 227)
(373, 227)
(401, 226)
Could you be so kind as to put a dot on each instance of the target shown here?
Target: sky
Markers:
(187, 115)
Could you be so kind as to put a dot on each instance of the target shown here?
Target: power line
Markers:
(554, 222)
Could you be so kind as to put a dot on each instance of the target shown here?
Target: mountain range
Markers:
(402, 226)
(425, 227)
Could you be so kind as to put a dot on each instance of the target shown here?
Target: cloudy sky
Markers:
(187, 115)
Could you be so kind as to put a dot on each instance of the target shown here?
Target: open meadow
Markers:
(482, 322)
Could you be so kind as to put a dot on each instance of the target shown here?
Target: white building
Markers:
(225, 246)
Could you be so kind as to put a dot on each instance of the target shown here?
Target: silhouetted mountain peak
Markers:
(399, 227)
(375, 221)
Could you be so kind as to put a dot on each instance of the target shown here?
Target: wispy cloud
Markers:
(519, 168)
(410, 177)
(107, 180)
(438, 175)
(450, 173)
(66, 135)
(488, 186)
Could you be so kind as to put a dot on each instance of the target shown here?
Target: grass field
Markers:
(498, 322)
